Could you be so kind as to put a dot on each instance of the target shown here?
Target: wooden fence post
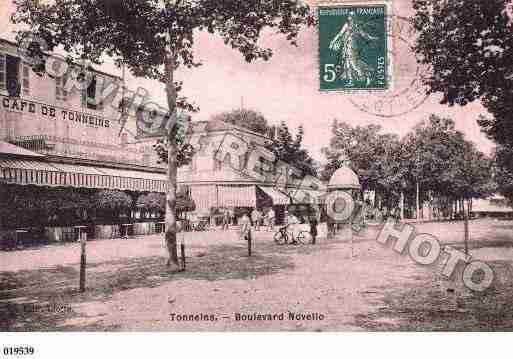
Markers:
(182, 251)
(83, 241)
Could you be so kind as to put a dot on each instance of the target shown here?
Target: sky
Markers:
(285, 88)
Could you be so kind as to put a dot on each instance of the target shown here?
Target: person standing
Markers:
(245, 227)
(270, 219)
(314, 222)
(226, 219)
(231, 212)
(255, 218)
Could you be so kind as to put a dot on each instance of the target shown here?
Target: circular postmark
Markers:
(406, 91)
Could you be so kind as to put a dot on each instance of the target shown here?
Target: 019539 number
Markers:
(18, 350)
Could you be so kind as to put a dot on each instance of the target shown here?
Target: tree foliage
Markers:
(246, 118)
(433, 154)
(469, 46)
(34, 205)
(185, 151)
(370, 153)
(152, 201)
(289, 149)
(113, 200)
(504, 170)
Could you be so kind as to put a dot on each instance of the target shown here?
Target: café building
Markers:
(55, 136)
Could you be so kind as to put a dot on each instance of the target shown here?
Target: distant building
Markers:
(495, 206)
(227, 182)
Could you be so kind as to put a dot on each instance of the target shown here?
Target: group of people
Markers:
(256, 219)
(289, 221)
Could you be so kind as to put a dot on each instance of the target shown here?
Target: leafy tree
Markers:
(504, 170)
(474, 174)
(372, 155)
(442, 163)
(469, 46)
(154, 38)
(185, 151)
(289, 149)
(428, 157)
(432, 162)
(250, 119)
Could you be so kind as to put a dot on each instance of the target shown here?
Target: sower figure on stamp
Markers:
(349, 64)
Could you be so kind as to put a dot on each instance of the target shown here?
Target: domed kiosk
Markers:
(344, 179)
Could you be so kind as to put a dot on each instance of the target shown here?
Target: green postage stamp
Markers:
(353, 47)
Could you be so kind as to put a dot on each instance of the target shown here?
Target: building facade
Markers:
(84, 140)
(232, 168)
(55, 132)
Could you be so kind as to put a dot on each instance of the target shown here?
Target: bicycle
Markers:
(283, 237)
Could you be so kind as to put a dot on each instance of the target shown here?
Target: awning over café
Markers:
(42, 173)
(277, 197)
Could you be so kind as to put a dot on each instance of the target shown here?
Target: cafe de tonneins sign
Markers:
(52, 112)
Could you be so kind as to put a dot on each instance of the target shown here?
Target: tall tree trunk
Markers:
(417, 198)
(172, 164)
(465, 217)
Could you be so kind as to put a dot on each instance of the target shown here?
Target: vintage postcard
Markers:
(248, 166)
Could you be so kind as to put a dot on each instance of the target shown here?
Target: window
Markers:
(91, 97)
(25, 79)
(14, 73)
(11, 71)
(60, 88)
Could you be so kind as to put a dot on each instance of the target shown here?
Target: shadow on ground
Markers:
(25, 295)
(502, 241)
(434, 303)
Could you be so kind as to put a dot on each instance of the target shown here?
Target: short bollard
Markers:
(182, 251)
(83, 241)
